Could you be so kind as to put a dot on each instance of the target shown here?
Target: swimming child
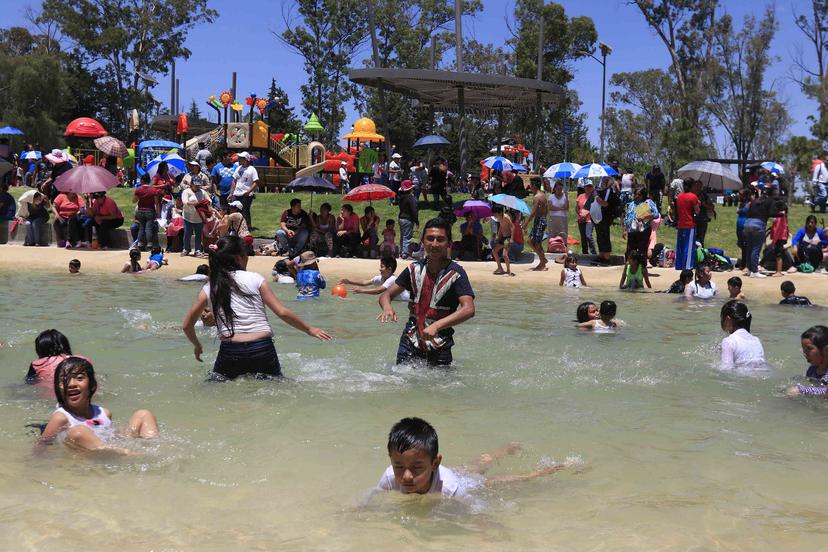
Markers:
(281, 273)
(74, 266)
(685, 277)
(134, 264)
(815, 349)
(703, 287)
(734, 288)
(202, 274)
(388, 247)
(52, 347)
(156, 259)
(416, 464)
(740, 347)
(571, 275)
(606, 318)
(308, 279)
(587, 311)
(635, 275)
(789, 296)
(82, 425)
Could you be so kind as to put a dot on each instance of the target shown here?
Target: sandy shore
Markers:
(766, 290)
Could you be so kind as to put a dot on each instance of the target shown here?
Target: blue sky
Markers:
(240, 41)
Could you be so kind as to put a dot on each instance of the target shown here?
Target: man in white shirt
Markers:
(379, 283)
(395, 172)
(343, 176)
(820, 183)
(202, 156)
(245, 182)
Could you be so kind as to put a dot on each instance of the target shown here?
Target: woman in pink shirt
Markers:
(346, 241)
(107, 217)
(67, 225)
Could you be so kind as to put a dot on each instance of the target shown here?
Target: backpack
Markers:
(669, 260)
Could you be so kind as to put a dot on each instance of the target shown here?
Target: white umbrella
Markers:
(498, 163)
(594, 170)
(773, 167)
(712, 174)
(562, 170)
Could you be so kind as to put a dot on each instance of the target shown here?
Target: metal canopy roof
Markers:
(482, 93)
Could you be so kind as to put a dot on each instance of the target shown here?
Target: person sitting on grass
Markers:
(308, 279)
(416, 464)
(635, 275)
(388, 247)
(294, 229)
(347, 236)
(606, 319)
(678, 286)
(734, 288)
(789, 296)
(379, 283)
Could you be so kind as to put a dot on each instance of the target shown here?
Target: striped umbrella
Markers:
(562, 170)
(594, 170)
(497, 163)
(175, 162)
(773, 167)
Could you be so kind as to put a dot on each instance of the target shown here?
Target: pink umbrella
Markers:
(369, 192)
(481, 209)
(86, 179)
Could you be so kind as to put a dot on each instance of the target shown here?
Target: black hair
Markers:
(686, 276)
(69, 367)
(145, 177)
(636, 256)
(738, 312)
(582, 314)
(438, 223)
(155, 250)
(608, 308)
(735, 281)
(687, 185)
(369, 209)
(389, 221)
(52, 343)
(536, 182)
(222, 284)
(201, 144)
(348, 207)
(787, 287)
(497, 208)
(413, 433)
(203, 269)
(134, 257)
(809, 218)
(75, 263)
(295, 201)
(325, 205)
(390, 263)
(281, 267)
(162, 165)
(818, 335)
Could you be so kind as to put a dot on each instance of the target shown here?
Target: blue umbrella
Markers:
(176, 163)
(498, 163)
(511, 202)
(31, 155)
(562, 170)
(517, 167)
(431, 140)
(773, 167)
(8, 130)
(594, 170)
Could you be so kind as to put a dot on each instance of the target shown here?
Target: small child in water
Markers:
(606, 318)
(734, 288)
(134, 264)
(740, 347)
(52, 347)
(814, 342)
(587, 311)
(685, 277)
(416, 464)
(789, 296)
(156, 259)
(74, 266)
(82, 425)
(281, 273)
(308, 279)
(571, 275)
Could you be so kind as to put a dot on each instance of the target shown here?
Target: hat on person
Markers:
(57, 156)
(343, 163)
(244, 155)
(406, 185)
(396, 156)
(194, 164)
(237, 204)
(307, 258)
(588, 183)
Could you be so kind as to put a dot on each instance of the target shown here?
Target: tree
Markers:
(814, 79)
(325, 34)
(124, 39)
(797, 154)
(280, 117)
(194, 112)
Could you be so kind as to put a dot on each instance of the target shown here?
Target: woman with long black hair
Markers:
(237, 299)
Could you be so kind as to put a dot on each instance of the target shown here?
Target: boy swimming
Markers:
(74, 266)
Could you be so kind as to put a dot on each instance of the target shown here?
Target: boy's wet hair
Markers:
(582, 314)
(70, 367)
(75, 263)
(787, 287)
(818, 335)
(390, 263)
(738, 312)
(203, 269)
(608, 308)
(281, 267)
(413, 433)
(52, 343)
(686, 276)
(735, 281)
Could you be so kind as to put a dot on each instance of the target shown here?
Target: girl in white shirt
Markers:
(237, 299)
(739, 348)
(703, 287)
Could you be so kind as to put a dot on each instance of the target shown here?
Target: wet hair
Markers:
(69, 367)
(735, 281)
(700, 269)
(686, 276)
(295, 201)
(608, 308)
(636, 256)
(75, 263)
(438, 223)
(413, 433)
(569, 258)
(203, 269)
(787, 287)
(738, 312)
(281, 267)
(222, 284)
(818, 335)
(390, 263)
(52, 343)
(582, 314)
(155, 250)
(389, 222)
(134, 257)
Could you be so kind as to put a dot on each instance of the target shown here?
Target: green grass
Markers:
(268, 207)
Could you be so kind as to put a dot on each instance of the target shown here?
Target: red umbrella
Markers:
(86, 179)
(84, 127)
(369, 192)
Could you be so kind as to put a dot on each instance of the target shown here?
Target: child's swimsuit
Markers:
(572, 277)
(821, 389)
(635, 279)
(158, 258)
(99, 423)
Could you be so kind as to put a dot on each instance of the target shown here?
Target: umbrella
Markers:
(517, 167)
(85, 127)
(773, 167)
(712, 174)
(176, 163)
(111, 147)
(431, 140)
(31, 155)
(369, 192)
(10, 131)
(497, 163)
(86, 179)
(511, 202)
(480, 209)
(594, 170)
(311, 184)
(562, 170)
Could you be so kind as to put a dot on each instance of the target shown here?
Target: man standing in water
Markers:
(441, 298)
(540, 207)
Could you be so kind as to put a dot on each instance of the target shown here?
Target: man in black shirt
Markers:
(438, 182)
(294, 228)
(789, 296)
(655, 185)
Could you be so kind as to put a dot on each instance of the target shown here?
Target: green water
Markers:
(674, 454)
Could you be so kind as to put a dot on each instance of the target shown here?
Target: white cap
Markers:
(237, 204)
(396, 156)
(244, 155)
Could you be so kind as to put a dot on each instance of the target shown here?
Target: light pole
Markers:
(605, 51)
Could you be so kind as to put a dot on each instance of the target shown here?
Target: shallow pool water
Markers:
(673, 454)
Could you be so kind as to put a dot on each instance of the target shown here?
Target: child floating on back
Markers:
(156, 259)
